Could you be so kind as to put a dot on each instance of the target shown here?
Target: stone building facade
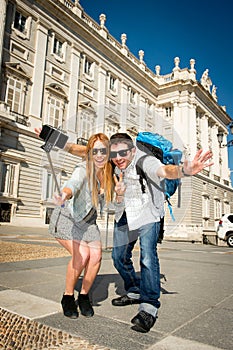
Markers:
(60, 67)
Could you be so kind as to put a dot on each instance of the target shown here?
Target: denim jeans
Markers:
(148, 286)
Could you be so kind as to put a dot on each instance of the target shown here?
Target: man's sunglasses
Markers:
(122, 153)
(102, 151)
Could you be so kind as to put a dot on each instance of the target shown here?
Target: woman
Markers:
(74, 226)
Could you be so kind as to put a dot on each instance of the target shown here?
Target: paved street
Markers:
(196, 311)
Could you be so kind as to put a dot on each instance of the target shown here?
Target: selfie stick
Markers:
(53, 172)
(53, 138)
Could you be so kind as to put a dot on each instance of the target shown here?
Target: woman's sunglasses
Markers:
(122, 153)
(102, 151)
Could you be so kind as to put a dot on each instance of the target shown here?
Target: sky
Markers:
(165, 29)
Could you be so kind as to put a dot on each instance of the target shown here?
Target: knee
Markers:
(79, 262)
(96, 257)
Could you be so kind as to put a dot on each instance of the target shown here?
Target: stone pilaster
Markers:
(73, 91)
(102, 73)
(38, 72)
(2, 28)
(204, 131)
(142, 113)
(123, 106)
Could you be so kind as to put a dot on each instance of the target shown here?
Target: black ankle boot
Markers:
(85, 305)
(69, 306)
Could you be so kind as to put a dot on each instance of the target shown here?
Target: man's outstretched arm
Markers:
(76, 150)
(200, 161)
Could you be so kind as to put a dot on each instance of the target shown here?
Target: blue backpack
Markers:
(161, 148)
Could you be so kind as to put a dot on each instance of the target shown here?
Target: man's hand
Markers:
(119, 187)
(37, 131)
(200, 161)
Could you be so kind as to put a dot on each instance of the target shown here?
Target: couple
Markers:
(74, 223)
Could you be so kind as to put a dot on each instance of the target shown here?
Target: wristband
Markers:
(182, 171)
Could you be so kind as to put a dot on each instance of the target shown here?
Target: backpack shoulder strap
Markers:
(142, 175)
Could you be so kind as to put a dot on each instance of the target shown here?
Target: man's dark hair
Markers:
(121, 137)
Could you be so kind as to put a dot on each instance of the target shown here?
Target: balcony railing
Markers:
(14, 116)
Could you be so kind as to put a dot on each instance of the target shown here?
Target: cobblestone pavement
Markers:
(12, 251)
(19, 333)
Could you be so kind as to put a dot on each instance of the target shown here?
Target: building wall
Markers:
(72, 73)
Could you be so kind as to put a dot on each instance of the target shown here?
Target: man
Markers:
(138, 217)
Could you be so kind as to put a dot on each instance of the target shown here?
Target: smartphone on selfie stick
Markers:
(53, 138)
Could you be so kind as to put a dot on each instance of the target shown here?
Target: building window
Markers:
(133, 97)
(89, 68)
(20, 22)
(55, 111)
(226, 208)
(58, 48)
(110, 129)
(48, 214)
(7, 179)
(217, 209)
(112, 84)
(149, 109)
(14, 94)
(50, 187)
(48, 183)
(5, 212)
(86, 125)
(205, 207)
(168, 112)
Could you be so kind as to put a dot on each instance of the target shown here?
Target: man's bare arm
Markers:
(200, 161)
(76, 150)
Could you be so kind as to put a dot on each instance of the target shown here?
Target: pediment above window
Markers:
(112, 119)
(132, 130)
(17, 69)
(86, 105)
(57, 90)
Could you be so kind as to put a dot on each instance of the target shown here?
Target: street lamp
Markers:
(220, 137)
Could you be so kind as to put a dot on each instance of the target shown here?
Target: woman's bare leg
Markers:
(72, 274)
(92, 267)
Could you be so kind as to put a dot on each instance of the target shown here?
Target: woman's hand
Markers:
(59, 199)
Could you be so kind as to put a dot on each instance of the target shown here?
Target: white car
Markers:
(225, 229)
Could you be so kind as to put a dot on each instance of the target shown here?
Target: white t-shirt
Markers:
(140, 208)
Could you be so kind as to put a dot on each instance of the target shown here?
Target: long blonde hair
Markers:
(107, 170)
